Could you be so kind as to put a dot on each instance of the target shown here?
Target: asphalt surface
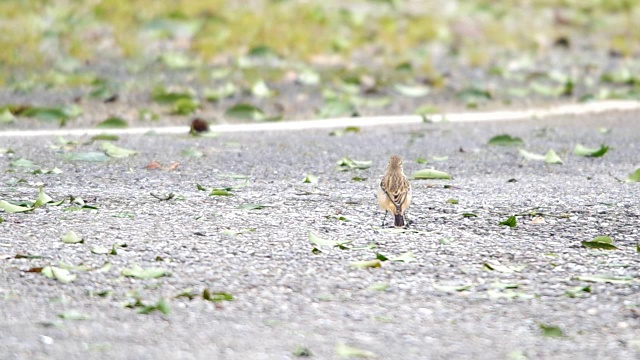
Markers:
(286, 296)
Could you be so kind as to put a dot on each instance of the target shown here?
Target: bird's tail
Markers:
(398, 220)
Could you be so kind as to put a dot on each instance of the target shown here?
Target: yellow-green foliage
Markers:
(35, 34)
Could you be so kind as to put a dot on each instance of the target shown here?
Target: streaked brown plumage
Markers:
(394, 191)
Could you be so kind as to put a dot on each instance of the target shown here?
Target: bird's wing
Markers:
(398, 196)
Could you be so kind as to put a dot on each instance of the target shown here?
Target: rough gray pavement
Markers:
(285, 296)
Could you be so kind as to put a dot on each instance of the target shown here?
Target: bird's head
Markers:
(395, 162)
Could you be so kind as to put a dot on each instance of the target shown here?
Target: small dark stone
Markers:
(198, 125)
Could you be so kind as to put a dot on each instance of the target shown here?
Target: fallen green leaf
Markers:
(505, 140)
(42, 198)
(6, 116)
(310, 179)
(73, 315)
(501, 285)
(302, 351)
(178, 61)
(86, 156)
(114, 248)
(100, 250)
(263, 51)
(260, 89)
(348, 129)
(472, 96)
(55, 170)
(104, 268)
(337, 217)
(551, 157)
(314, 239)
(237, 232)
(59, 114)
(405, 257)
(308, 77)
(112, 123)
(510, 222)
(381, 257)
(219, 93)
(551, 331)
(430, 174)
(161, 305)
(445, 241)
(115, 151)
(577, 291)
(375, 263)
(70, 267)
(146, 115)
(634, 176)
(600, 242)
(379, 287)
(546, 90)
(105, 137)
(503, 268)
(11, 208)
(580, 150)
(62, 275)
(246, 112)
(346, 351)
(509, 294)
(185, 106)
(531, 156)
(23, 163)
(148, 273)
(346, 163)
(162, 95)
(333, 108)
(188, 293)
(216, 296)
(70, 237)
(192, 152)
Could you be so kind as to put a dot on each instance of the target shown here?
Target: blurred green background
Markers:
(471, 53)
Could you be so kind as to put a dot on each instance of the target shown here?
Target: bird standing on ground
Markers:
(394, 191)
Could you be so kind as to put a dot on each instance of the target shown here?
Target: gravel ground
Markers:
(285, 296)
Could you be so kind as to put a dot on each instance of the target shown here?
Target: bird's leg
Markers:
(384, 218)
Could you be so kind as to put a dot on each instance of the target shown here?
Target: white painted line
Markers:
(573, 109)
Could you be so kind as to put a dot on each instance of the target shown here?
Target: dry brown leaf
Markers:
(172, 166)
(538, 220)
(154, 165)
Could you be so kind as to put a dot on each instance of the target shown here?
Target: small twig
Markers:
(620, 180)
(304, 192)
(163, 198)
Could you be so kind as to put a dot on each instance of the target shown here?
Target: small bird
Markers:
(394, 191)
